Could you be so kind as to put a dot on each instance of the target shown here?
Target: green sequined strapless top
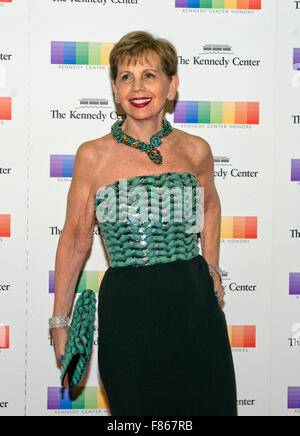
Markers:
(150, 219)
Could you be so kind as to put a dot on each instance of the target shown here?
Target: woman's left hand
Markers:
(218, 289)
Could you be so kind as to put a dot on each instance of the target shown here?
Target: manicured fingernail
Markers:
(62, 357)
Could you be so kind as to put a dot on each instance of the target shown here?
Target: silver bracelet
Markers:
(58, 321)
(217, 269)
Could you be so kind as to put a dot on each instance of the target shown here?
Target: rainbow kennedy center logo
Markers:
(239, 227)
(293, 397)
(61, 165)
(5, 226)
(87, 280)
(296, 59)
(75, 399)
(5, 108)
(242, 336)
(294, 283)
(4, 337)
(219, 4)
(80, 53)
(295, 170)
(214, 112)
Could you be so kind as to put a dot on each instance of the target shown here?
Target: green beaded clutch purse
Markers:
(80, 339)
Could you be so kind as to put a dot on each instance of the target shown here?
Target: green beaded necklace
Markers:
(155, 141)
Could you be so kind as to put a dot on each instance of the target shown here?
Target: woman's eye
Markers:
(125, 77)
(149, 75)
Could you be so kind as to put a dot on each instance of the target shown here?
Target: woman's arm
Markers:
(211, 232)
(75, 240)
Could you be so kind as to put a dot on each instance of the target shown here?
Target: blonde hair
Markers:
(135, 45)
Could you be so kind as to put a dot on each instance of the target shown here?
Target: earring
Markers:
(170, 96)
(117, 100)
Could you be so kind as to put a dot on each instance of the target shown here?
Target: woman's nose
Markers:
(138, 84)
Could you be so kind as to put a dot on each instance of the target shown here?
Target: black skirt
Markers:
(163, 342)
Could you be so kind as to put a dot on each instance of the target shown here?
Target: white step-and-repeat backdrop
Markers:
(239, 67)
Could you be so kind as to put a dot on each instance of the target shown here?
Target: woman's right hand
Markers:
(60, 337)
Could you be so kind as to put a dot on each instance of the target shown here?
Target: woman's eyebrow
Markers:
(146, 69)
(150, 68)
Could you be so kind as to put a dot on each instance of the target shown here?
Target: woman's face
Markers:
(143, 88)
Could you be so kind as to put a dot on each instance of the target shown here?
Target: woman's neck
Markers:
(142, 129)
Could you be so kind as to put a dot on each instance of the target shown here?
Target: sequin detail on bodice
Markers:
(142, 224)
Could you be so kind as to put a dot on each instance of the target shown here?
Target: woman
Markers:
(163, 343)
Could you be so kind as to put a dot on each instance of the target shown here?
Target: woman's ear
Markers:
(173, 87)
(115, 91)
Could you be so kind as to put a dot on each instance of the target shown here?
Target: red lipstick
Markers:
(141, 102)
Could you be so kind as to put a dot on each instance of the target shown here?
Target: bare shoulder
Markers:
(197, 148)
(90, 153)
